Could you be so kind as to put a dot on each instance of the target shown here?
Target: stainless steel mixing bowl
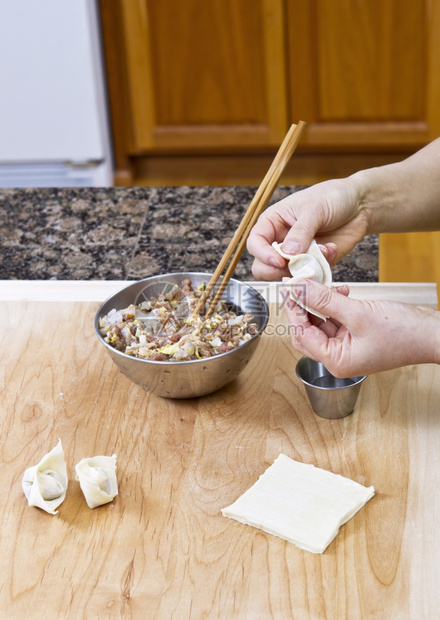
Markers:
(186, 379)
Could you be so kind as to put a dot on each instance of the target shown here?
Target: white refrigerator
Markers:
(54, 126)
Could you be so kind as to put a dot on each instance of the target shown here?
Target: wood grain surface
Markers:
(162, 549)
(199, 75)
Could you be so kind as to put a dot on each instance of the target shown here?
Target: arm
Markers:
(403, 197)
(339, 213)
(362, 337)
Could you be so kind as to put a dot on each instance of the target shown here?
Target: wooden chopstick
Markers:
(237, 245)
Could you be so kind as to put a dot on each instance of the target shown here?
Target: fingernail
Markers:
(291, 247)
(275, 262)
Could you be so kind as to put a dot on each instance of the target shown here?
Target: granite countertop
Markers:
(131, 233)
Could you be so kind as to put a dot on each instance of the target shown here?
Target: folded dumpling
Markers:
(312, 265)
(97, 479)
(45, 484)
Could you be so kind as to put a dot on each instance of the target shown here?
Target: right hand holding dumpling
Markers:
(361, 337)
(330, 212)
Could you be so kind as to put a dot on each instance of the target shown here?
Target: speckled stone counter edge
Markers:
(131, 233)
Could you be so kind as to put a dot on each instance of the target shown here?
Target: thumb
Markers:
(300, 236)
(326, 300)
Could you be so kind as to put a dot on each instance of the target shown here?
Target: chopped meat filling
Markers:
(164, 328)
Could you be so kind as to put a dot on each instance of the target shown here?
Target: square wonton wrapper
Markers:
(300, 503)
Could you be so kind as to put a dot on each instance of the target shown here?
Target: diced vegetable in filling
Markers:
(164, 328)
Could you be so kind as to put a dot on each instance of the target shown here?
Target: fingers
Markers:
(307, 219)
(343, 289)
(330, 252)
(327, 301)
(259, 245)
(305, 335)
(361, 336)
(428, 309)
(300, 236)
(281, 223)
(270, 265)
(300, 320)
(325, 341)
(262, 271)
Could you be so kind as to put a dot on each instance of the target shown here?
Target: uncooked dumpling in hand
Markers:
(312, 265)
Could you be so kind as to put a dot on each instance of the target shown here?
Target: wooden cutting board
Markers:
(162, 549)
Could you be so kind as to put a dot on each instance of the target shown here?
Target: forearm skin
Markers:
(403, 197)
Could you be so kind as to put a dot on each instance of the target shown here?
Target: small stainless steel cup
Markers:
(329, 396)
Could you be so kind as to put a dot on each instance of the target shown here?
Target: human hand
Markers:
(361, 337)
(331, 212)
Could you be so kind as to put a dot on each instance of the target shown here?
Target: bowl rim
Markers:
(204, 360)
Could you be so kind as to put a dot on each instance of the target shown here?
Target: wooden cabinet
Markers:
(365, 74)
(230, 76)
(205, 73)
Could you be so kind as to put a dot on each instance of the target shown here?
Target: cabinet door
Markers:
(205, 73)
(365, 73)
